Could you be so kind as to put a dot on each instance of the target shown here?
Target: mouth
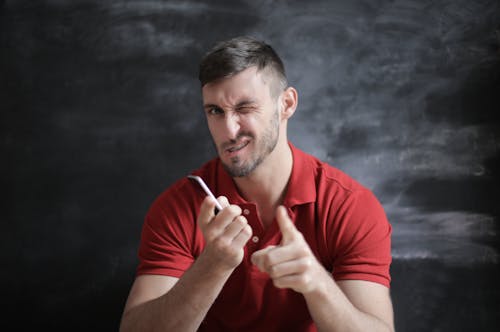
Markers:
(235, 148)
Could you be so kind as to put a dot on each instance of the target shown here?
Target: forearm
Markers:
(184, 306)
(331, 310)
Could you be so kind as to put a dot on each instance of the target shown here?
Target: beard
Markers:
(264, 146)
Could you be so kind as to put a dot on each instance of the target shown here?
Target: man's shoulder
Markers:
(324, 172)
(337, 176)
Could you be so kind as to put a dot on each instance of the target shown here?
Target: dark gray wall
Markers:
(101, 111)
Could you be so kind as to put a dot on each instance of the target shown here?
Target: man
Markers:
(298, 245)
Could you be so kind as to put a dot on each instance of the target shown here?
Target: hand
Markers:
(291, 264)
(225, 233)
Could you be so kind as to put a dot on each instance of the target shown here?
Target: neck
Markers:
(266, 185)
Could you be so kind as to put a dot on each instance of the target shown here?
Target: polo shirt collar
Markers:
(301, 186)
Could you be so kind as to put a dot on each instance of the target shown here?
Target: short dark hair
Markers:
(230, 57)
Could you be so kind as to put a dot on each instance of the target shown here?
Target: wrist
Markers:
(322, 285)
(214, 266)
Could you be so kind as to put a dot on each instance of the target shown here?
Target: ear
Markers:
(289, 100)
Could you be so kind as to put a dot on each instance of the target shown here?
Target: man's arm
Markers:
(352, 305)
(169, 304)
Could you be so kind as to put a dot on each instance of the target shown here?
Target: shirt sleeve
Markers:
(169, 239)
(363, 240)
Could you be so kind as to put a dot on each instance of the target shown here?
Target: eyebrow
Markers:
(207, 106)
(244, 102)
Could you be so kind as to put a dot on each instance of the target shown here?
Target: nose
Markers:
(232, 125)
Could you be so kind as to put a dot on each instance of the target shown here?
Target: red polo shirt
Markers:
(342, 221)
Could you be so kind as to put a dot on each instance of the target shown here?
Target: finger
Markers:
(206, 211)
(266, 258)
(259, 257)
(226, 237)
(301, 282)
(292, 267)
(218, 205)
(287, 228)
(223, 201)
(235, 227)
(285, 253)
(225, 217)
(243, 236)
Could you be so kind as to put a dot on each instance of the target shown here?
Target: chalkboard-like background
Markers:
(101, 111)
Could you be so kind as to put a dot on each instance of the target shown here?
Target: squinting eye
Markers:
(244, 109)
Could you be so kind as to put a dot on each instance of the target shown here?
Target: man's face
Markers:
(243, 119)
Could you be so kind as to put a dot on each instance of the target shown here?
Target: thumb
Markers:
(286, 225)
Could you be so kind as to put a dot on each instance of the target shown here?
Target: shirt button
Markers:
(255, 239)
(246, 212)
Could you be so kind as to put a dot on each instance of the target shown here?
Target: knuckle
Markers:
(247, 231)
(274, 271)
(235, 209)
(305, 279)
(307, 262)
(240, 220)
(267, 262)
(206, 202)
(278, 283)
(223, 200)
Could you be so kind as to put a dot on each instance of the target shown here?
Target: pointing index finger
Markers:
(287, 228)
